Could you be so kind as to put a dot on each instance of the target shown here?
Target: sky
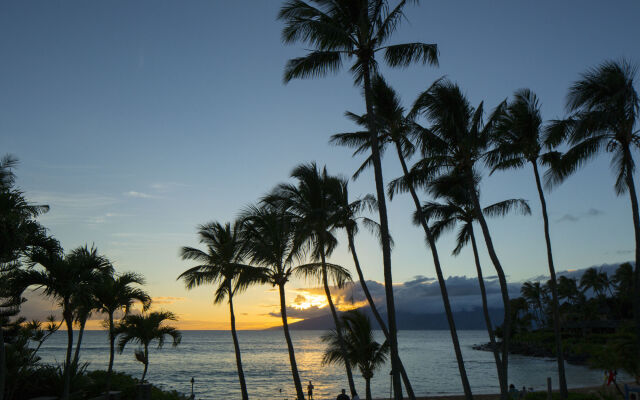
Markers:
(138, 121)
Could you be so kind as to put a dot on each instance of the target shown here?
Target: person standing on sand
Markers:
(342, 396)
(310, 390)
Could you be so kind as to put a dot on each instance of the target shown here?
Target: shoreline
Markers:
(496, 396)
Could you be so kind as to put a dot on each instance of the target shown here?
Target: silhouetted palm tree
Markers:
(591, 279)
(115, 293)
(313, 204)
(518, 142)
(568, 289)
(270, 234)
(60, 278)
(362, 350)
(533, 293)
(355, 29)
(222, 265)
(394, 127)
(348, 218)
(458, 210)
(604, 106)
(19, 231)
(623, 279)
(144, 329)
(451, 149)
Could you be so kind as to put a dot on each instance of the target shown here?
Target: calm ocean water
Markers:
(208, 357)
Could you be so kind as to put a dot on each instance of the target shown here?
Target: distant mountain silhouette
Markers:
(465, 320)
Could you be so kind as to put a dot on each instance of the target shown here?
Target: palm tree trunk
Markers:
(112, 341)
(336, 320)
(376, 314)
(441, 281)
(636, 229)
(287, 336)
(3, 361)
(146, 364)
(76, 355)
(504, 289)
(504, 386)
(236, 345)
(384, 233)
(68, 318)
(368, 388)
(562, 378)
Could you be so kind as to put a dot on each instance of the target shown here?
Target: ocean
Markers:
(208, 357)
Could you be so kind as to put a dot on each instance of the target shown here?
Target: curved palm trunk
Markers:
(368, 387)
(76, 355)
(562, 378)
(504, 387)
(3, 361)
(146, 364)
(236, 345)
(376, 314)
(441, 281)
(384, 234)
(636, 229)
(68, 318)
(504, 289)
(287, 336)
(112, 341)
(336, 320)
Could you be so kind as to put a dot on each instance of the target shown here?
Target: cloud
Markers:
(101, 219)
(139, 195)
(167, 300)
(592, 212)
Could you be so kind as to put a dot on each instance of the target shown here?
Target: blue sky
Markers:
(136, 121)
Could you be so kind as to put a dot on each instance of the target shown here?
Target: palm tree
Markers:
(568, 289)
(113, 294)
(355, 30)
(313, 204)
(222, 265)
(144, 329)
(592, 280)
(270, 234)
(394, 127)
(61, 278)
(451, 149)
(459, 210)
(347, 218)
(604, 107)
(518, 142)
(533, 293)
(623, 280)
(362, 350)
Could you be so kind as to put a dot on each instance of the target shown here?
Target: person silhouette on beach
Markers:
(342, 396)
(310, 390)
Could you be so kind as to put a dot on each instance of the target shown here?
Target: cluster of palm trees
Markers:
(594, 296)
(451, 144)
(81, 282)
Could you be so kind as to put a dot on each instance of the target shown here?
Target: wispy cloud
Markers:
(167, 299)
(139, 195)
(590, 213)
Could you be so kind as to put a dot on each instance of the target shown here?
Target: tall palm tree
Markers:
(533, 293)
(115, 293)
(394, 127)
(518, 140)
(61, 278)
(362, 350)
(143, 329)
(313, 204)
(604, 107)
(451, 148)
(19, 231)
(222, 265)
(357, 30)
(270, 234)
(458, 210)
(348, 217)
